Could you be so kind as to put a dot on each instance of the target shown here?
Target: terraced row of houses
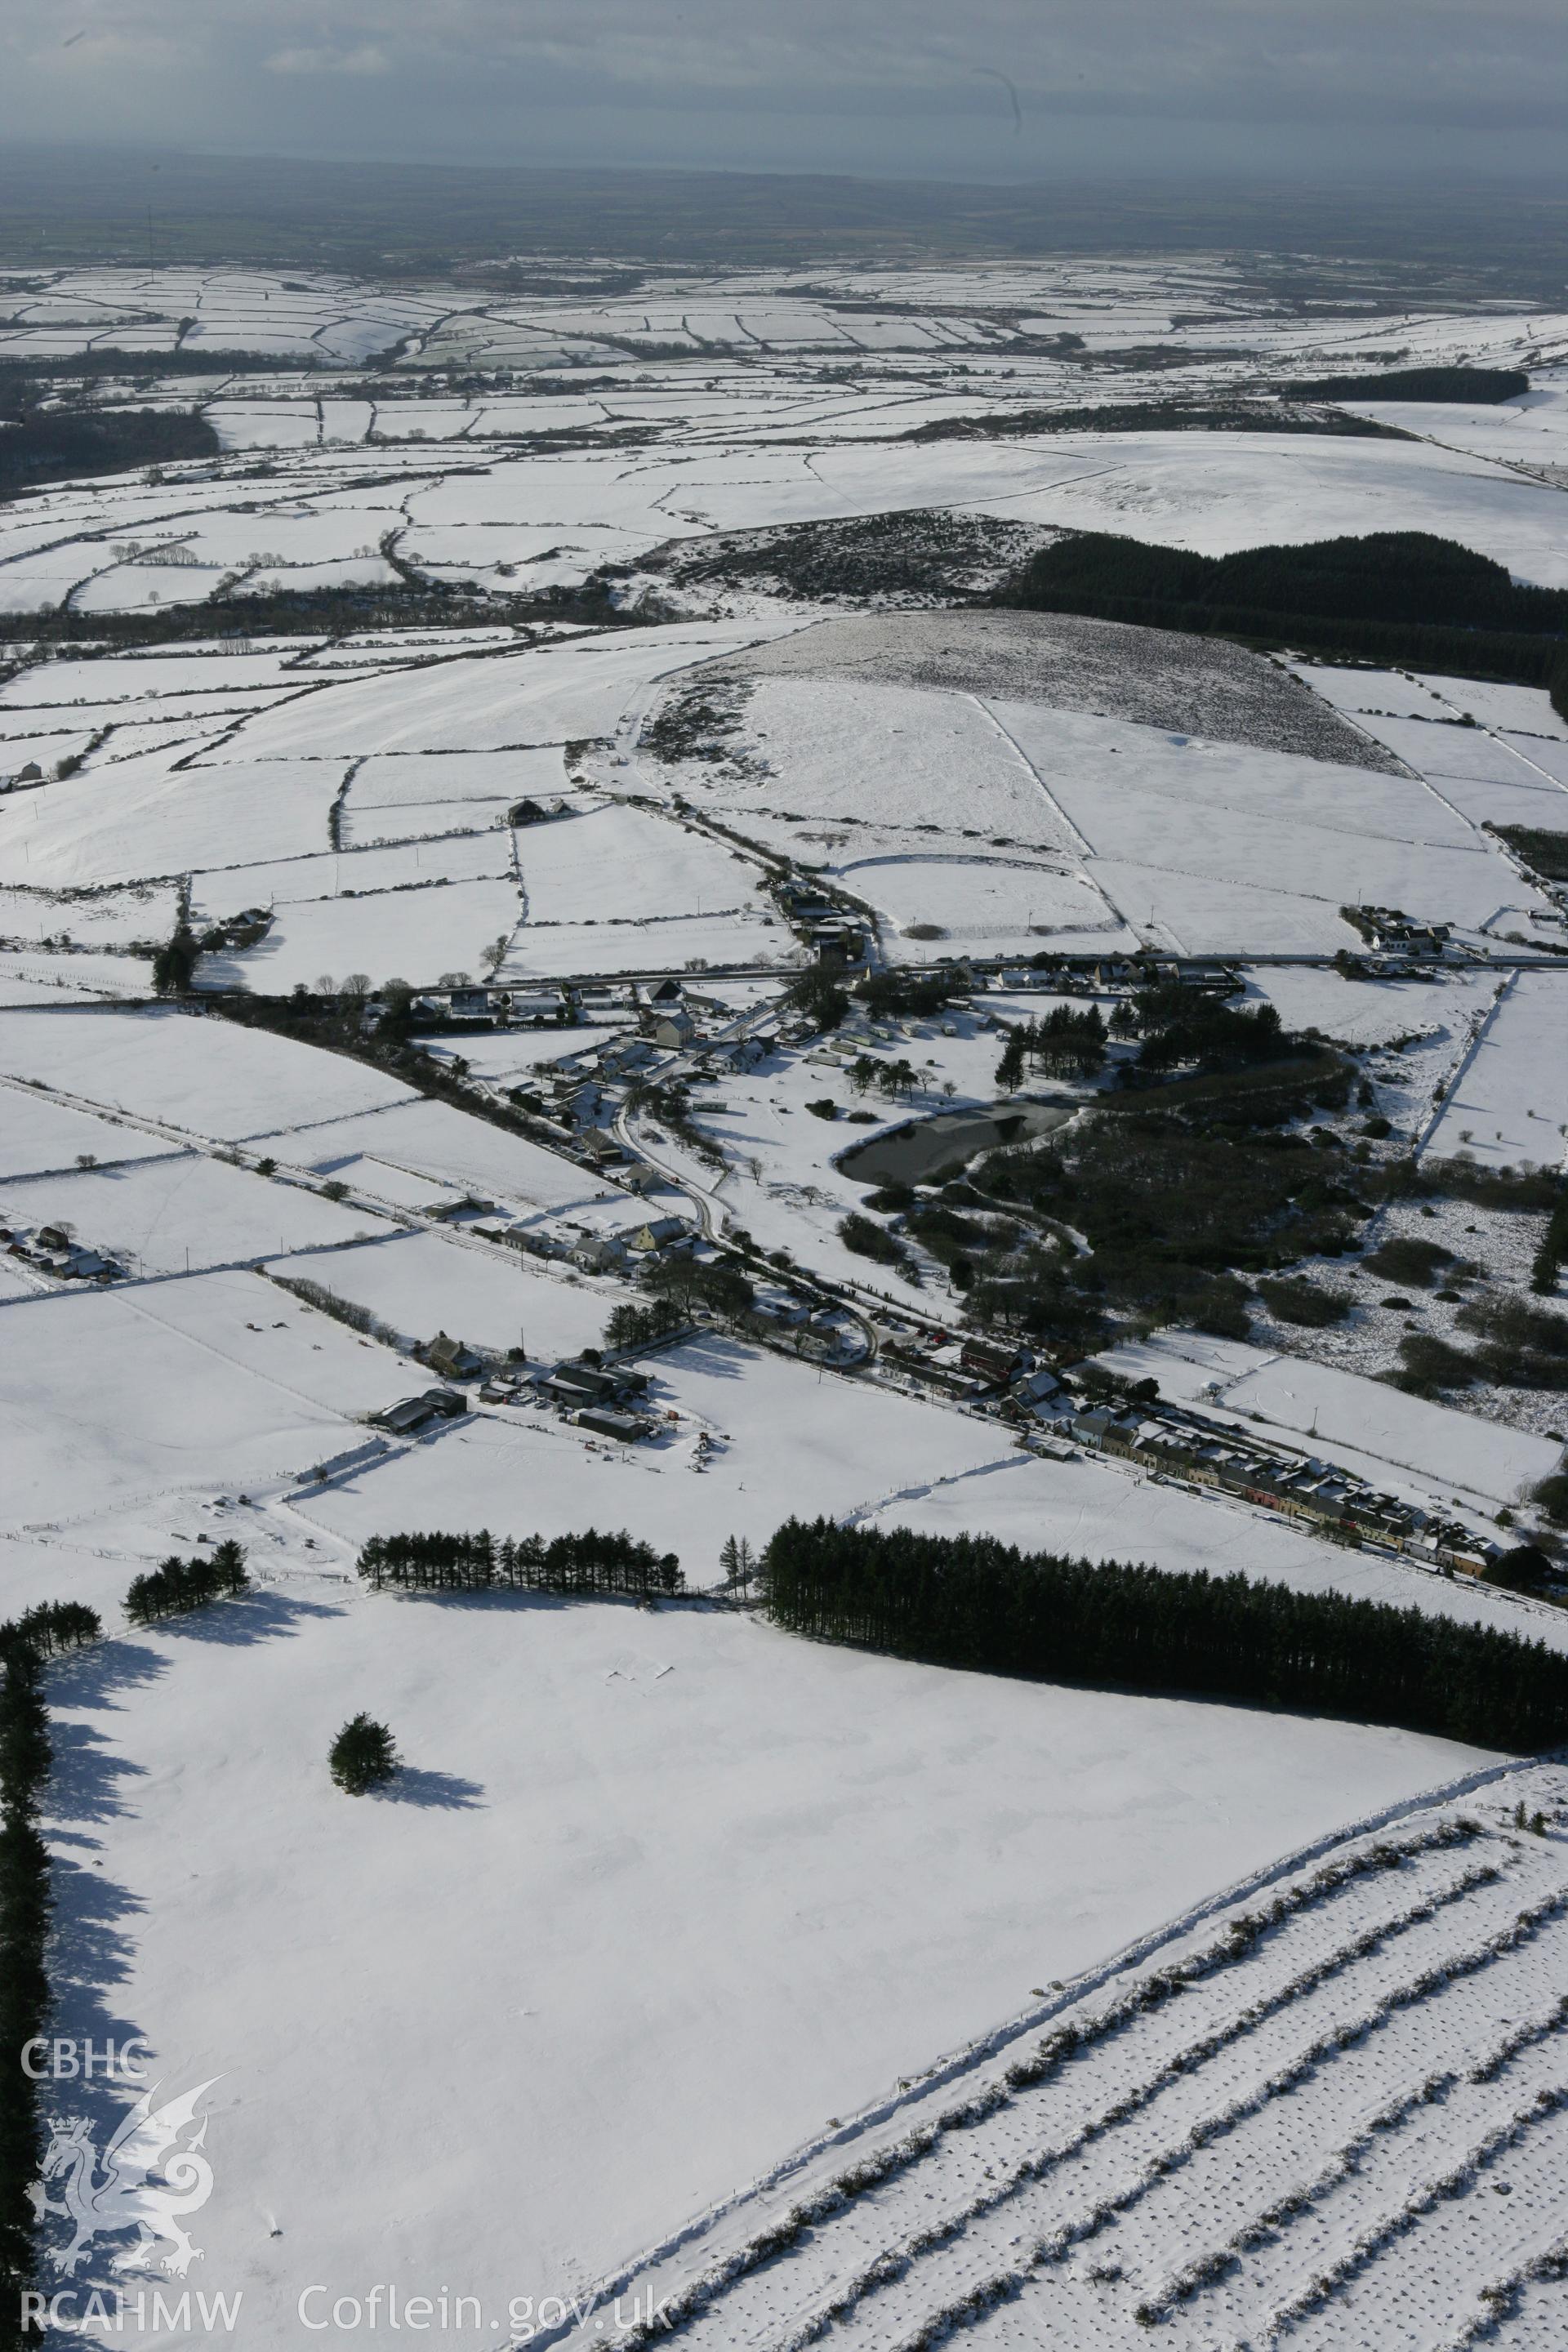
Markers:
(1171, 1442)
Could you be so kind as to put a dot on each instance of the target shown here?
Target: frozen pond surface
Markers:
(916, 1153)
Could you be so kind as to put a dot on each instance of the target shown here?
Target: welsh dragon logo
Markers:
(137, 2184)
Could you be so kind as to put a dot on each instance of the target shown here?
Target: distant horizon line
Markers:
(1328, 186)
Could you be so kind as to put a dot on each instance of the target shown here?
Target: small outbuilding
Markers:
(607, 1420)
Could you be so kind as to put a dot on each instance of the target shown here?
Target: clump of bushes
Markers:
(901, 992)
(1525, 1568)
(818, 996)
(1429, 1364)
(174, 963)
(1522, 1346)
(1221, 1311)
(868, 1239)
(1405, 1258)
(1552, 1253)
(893, 1200)
(687, 1282)
(1295, 1300)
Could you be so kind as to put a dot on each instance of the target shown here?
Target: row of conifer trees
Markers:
(44, 1631)
(51, 1627)
(969, 1601)
(176, 1585)
(23, 1981)
(580, 1565)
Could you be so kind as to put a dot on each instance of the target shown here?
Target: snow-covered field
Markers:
(181, 1213)
(617, 864)
(165, 1391)
(195, 1076)
(1509, 1102)
(660, 1897)
(418, 1284)
(410, 933)
(672, 1881)
(1332, 2111)
(431, 1139)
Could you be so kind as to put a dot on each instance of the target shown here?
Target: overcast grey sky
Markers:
(915, 88)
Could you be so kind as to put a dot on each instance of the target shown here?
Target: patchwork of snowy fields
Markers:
(1011, 824)
(1253, 2020)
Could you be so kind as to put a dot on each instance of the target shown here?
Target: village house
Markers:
(596, 1252)
(989, 1362)
(87, 1265)
(601, 1151)
(658, 1233)
(468, 1204)
(624, 1058)
(450, 1358)
(674, 1030)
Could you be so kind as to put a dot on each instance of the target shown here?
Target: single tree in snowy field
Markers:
(363, 1756)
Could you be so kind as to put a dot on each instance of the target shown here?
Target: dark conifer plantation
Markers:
(24, 1985)
(584, 1566)
(1399, 596)
(1470, 386)
(968, 1601)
